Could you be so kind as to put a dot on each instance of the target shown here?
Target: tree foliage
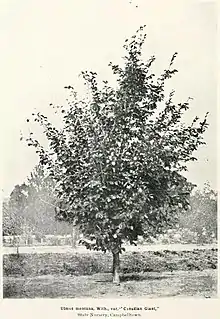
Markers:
(41, 204)
(31, 207)
(202, 216)
(13, 211)
(118, 159)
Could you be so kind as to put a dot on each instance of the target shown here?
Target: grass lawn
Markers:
(153, 285)
(150, 274)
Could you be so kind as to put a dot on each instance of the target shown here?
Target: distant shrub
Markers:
(181, 236)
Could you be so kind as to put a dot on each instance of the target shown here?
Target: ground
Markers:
(150, 274)
(152, 285)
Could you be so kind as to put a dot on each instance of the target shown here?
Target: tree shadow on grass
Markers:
(141, 277)
(132, 277)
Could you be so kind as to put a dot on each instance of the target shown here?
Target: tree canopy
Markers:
(119, 158)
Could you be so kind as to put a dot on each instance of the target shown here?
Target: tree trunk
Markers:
(17, 245)
(116, 268)
(17, 249)
(74, 236)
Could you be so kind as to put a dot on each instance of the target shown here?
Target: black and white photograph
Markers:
(109, 175)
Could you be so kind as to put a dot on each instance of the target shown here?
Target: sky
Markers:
(45, 44)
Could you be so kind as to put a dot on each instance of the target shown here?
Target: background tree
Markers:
(118, 160)
(31, 207)
(13, 211)
(42, 204)
(14, 223)
(202, 215)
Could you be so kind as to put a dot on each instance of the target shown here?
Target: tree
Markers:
(7, 224)
(13, 211)
(30, 208)
(118, 159)
(202, 216)
(42, 204)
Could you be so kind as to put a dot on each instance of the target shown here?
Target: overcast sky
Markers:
(45, 44)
